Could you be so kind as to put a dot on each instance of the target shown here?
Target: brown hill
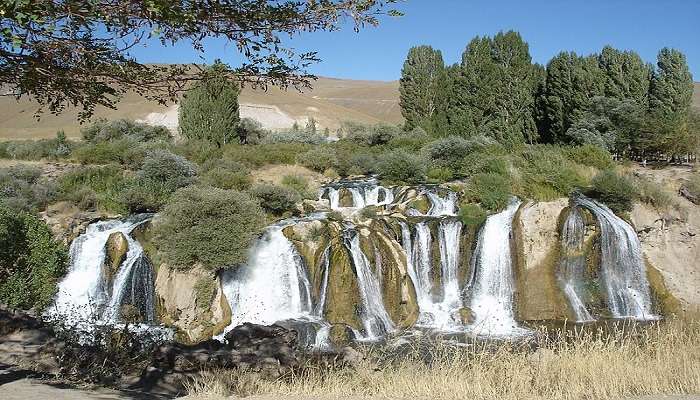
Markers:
(330, 102)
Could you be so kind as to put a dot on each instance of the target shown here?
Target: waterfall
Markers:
(326, 261)
(272, 286)
(84, 298)
(572, 264)
(375, 319)
(442, 206)
(622, 267)
(492, 286)
(364, 193)
(436, 311)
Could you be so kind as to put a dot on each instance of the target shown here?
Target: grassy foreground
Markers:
(659, 360)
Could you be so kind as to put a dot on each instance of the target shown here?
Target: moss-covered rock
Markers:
(115, 253)
(345, 198)
(341, 335)
(343, 297)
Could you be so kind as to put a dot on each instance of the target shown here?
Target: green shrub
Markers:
(168, 169)
(491, 190)
(204, 292)
(592, 156)
(226, 178)
(35, 150)
(616, 191)
(293, 137)
(106, 183)
(299, 184)
(319, 159)
(141, 195)
(251, 131)
(652, 193)
(211, 226)
(472, 214)
(547, 173)
(440, 175)
(199, 151)
(21, 188)
(491, 158)
(110, 131)
(276, 200)
(126, 151)
(401, 166)
(411, 141)
(449, 152)
(265, 154)
(31, 261)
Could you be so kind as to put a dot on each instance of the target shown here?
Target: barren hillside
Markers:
(330, 102)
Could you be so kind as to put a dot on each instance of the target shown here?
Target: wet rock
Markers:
(115, 253)
(466, 315)
(341, 335)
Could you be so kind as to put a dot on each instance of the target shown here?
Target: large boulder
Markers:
(191, 301)
(536, 233)
(116, 248)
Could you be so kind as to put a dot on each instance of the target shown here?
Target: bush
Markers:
(35, 150)
(319, 159)
(31, 261)
(105, 184)
(440, 175)
(547, 173)
(592, 156)
(168, 169)
(211, 226)
(411, 141)
(472, 214)
(652, 193)
(616, 191)
(274, 199)
(198, 151)
(227, 175)
(401, 166)
(293, 137)
(251, 131)
(126, 151)
(109, 131)
(22, 190)
(449, 152)
(299, 184)
(491, 190)
(142, 195)
(265, 154)
(373, 135)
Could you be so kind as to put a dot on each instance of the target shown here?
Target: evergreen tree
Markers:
(572, 82)
(492, 92)
(209, 111)
(419, 85)
(627, 77)
(671, 90)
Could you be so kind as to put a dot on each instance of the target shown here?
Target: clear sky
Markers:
(549, 26)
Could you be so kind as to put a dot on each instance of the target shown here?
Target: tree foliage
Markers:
(209, 111)
(77, 52)
(671, 89)
(419, 86)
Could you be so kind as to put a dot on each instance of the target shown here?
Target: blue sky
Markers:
(549, 26)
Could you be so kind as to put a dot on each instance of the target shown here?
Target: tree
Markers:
(571, 84)
(209, 111)
(419, 85)
(627, 77)
(493, 90)
(77, 52)
(671, 90)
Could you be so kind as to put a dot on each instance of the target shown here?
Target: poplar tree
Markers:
(419, 85)
(627, 77)
(209, 111)
(671, 90)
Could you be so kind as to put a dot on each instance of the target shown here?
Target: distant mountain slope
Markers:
(330, 102)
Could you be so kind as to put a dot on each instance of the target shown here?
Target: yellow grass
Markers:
(661, 360)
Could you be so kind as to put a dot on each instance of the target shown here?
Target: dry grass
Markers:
(660, 360)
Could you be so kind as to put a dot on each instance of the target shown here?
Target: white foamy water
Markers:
(363, 193)
(492, 289)
(622, 267)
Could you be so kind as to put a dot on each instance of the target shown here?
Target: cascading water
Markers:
(572, 265)
(84, 296)
(375, 319)
(436, 311)
(326, 261)
(273, 286)
(442, 206)
(622, 267)
(364, 193)
(491, 291)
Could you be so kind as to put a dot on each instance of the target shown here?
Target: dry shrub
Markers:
(658, 360)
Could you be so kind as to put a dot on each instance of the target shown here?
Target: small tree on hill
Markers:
(209, 111)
